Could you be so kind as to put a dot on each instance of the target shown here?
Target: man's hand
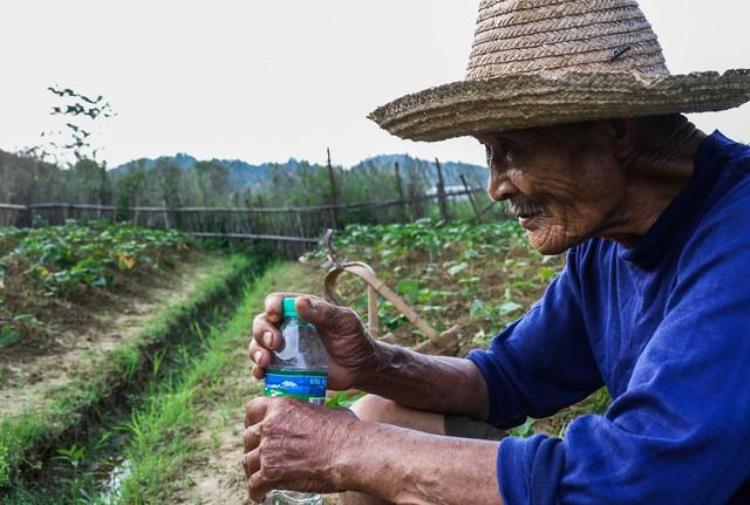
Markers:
(292, 445)
(352, 353)
(300, 447)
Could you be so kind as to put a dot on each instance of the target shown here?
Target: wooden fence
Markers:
(291, 229)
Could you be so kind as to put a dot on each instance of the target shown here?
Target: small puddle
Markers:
(113, 485)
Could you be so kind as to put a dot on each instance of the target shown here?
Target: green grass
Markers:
(25, 439)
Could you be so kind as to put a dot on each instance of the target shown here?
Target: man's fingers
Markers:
(255, 411)
(251, 462)
(266, 333)
(273, 305)
(258, 372)
(259, 355)
(258, 486)
(252, 437)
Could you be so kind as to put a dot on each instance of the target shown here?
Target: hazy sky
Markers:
(268, 80)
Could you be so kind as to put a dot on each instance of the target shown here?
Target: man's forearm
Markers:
(435, 383)
(410, 467)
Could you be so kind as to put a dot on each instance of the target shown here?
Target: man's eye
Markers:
(502, 154)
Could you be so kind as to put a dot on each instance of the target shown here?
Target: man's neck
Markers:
(655, 180)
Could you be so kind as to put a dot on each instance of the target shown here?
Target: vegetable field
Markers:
(93, 317)
(48, 271)
(149, 332)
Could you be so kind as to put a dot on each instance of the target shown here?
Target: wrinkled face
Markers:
(563, 183)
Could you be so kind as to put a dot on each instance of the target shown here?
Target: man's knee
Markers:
(376, 409)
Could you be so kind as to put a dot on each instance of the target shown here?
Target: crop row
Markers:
(64, 260)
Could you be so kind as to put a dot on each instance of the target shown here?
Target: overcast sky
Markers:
(268, 80)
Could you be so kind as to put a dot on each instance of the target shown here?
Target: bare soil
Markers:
(215, 476)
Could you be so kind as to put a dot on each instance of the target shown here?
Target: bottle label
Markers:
(301, 384)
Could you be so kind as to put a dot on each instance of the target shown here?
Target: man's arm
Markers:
(404, 466)
(434, 383)
(538, 365)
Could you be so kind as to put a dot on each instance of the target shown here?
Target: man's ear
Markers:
(624, 133)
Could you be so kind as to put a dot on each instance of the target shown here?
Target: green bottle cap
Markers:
(288, 308)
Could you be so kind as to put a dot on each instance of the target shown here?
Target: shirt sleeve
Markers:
(543, 362)
(680, 432)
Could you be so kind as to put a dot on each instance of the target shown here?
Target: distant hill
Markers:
(243, 174)
(475, 175)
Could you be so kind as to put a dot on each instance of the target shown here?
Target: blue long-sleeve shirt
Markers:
(665, 325)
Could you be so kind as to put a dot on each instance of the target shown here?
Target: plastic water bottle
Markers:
(299, 369)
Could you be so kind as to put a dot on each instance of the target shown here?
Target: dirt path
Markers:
(216, 476)
(29, 380)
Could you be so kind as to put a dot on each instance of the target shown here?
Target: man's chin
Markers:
(546, 243)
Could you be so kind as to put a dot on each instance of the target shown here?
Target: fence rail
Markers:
(290, 229)
(252, 236)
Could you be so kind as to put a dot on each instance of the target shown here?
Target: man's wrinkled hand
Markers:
(353, 355)
(292, 445)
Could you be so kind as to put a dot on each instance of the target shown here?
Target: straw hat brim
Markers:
(520, 101)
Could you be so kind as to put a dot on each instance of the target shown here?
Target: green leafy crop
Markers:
(67, 259)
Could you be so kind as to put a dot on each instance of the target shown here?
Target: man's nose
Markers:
(500, 187)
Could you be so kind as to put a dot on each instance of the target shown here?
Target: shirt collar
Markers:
(684, 211)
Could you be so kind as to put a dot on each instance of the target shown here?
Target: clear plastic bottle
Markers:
(299, 369)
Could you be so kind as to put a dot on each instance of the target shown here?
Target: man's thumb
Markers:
(317, 311)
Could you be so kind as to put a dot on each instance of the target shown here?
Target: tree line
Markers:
(170, 182)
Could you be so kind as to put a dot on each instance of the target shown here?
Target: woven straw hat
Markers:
(543, 62)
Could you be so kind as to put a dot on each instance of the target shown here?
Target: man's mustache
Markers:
(518, 206)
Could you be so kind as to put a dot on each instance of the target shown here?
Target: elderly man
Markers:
(585, 139)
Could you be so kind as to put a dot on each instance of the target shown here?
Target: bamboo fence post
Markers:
(400, 189)
(137, 209)
(441, 193)
(417, 206)
(471, 199)
(334, 191)
(166, 216)
(261, 219)
(300, 228)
